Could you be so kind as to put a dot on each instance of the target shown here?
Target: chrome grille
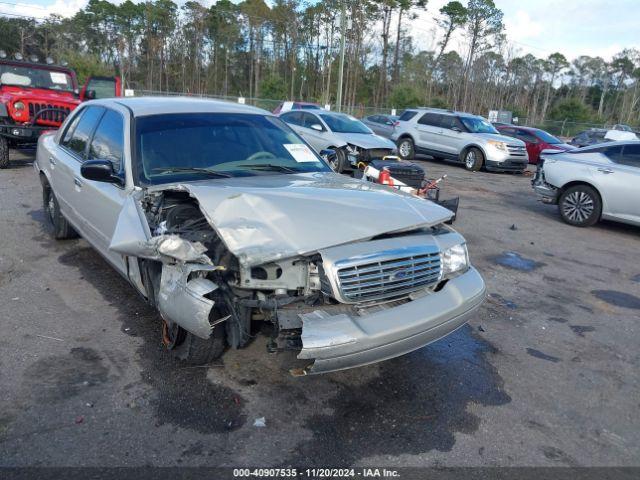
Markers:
(388, 275)
(57, 116)
(517, 150)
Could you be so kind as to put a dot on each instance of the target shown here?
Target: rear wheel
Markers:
(580, 206)
(473, 159)
(62, 230)
(4, 152)
(406, 148)
(191, 349)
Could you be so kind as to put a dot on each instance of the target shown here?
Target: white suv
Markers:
(459, 136)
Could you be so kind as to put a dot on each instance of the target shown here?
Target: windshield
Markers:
(478, 125)
(548, 138)
(341, 123)
(195, 146)
(26, 76)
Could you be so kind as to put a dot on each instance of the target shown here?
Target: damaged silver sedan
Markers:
(224, 219)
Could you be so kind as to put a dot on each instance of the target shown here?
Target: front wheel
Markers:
(406, 148)
(191, 349)
(580, 206)
(62, 230)
(473, 159)
(4, 152)
(339, 161)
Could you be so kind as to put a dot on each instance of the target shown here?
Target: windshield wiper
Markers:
(193, 170)
(270, 166)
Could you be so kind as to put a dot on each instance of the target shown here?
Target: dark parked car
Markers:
(381, 124)
(535, 139)
(589, 137)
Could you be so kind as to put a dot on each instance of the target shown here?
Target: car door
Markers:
(316, 138)
(429, 132)
(101, 202)
(452, 139)
(532, 144)
(374, 122)
(294, 120)
(67, 181)
(101, 87)
(386, 126)
(619, 181)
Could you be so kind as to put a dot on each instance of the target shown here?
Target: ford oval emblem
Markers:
(399, 274)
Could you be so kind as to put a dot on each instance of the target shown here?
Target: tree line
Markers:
(289, 49)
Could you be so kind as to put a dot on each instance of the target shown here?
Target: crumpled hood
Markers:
(269, 217)
(367, 140)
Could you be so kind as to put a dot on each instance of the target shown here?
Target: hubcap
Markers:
(405, 149)
(470, 159)
(578, 206)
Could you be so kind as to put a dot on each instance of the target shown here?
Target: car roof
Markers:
(142, 106)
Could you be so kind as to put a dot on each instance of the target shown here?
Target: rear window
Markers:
(407, 115)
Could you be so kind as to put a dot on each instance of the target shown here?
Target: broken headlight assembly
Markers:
(353, 150)
(455, 260)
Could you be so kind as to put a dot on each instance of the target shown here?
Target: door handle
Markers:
(605, 170)
(77, 181)
(52, 161)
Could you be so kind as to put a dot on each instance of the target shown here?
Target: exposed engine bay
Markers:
(199, 286)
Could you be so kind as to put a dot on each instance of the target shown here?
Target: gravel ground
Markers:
(546, 374)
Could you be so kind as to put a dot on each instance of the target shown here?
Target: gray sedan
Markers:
(592, 183)
(353, 141)
(383, 125)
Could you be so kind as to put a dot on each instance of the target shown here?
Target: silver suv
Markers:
(459, 136)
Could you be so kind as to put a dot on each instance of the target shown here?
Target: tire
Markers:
(191, 349)
(473, 159)
(406, 148)
(340, 163)
(580, 206)
(4, 152)
(62, 230)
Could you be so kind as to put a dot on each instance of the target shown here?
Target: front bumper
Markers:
(338, 342)
(507, 165)
(24, 133)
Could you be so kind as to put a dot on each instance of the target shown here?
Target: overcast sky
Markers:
(541, 27)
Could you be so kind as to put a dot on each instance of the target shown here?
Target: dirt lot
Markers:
(546, 374)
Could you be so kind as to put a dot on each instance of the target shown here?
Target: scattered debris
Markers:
(50, 338)
(480, 328)
(260, 422)
(580, 330)
(79, 419)
(513, 227)
(88, 404)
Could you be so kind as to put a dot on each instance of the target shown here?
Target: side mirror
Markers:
(100, 171)
(329, 155)
(317, 127)
(90, 94)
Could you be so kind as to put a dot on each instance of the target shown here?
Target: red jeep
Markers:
(37, 97)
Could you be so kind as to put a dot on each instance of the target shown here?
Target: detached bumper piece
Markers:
(337, 342)
(408, 173)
